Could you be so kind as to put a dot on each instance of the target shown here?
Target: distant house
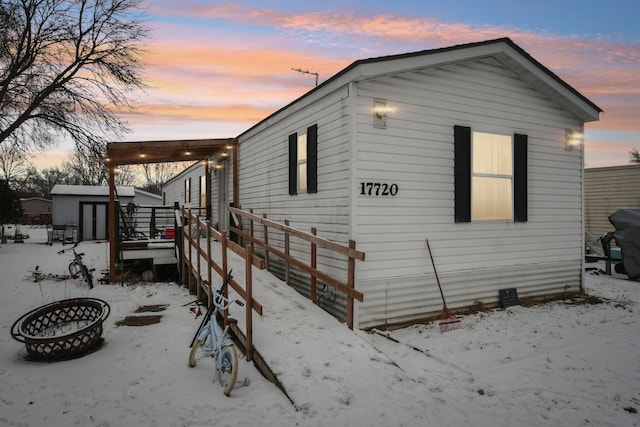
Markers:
(36, 210)
(471, 147)
(606, 190)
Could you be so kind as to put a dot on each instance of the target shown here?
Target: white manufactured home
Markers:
(471, 147)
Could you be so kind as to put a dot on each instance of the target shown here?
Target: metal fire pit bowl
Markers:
(62, 329)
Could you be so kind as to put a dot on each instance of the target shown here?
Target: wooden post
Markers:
(152, 224)
(314, 260)
(178, 241)
(251, 233)
(207, 190)
(223, 248)
(266, 244)
(286, 251)
(190, 268)
(112, 226)
(249, 302)
(351, 274)
(236, 190)
(197, 247)
(209, 278)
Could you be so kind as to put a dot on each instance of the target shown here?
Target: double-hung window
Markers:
(490, 176)
(187, 190)
(203, 192)
(303, 161)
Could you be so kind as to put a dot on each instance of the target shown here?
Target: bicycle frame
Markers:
(212, 341)
(77, 266)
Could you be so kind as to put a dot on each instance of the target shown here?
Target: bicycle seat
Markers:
(81, 254)
(230, 321)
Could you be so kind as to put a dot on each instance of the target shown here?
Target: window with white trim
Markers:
(491, 177)
(302, 162)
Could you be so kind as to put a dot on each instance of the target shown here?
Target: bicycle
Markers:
(77, 267)
(210, 341)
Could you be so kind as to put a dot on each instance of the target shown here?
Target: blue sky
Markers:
(217, 67)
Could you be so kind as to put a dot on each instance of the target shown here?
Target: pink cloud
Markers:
(244, 71)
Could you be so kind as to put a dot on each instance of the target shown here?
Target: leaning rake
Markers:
(448, 320)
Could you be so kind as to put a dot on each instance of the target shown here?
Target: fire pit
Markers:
(62, 329)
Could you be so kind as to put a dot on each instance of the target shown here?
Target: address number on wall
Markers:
(378, 189)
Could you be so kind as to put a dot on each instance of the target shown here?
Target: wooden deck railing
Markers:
(197, 266)
(310, 266)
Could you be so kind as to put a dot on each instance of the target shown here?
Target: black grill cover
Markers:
(627, 235)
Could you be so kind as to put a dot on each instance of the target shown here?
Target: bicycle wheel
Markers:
(74, 270)
(228, 372)
(196, 351)
(88, 277)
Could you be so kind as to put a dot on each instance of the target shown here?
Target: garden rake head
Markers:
(448, 321)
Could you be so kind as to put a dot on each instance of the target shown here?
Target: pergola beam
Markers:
(142, 152)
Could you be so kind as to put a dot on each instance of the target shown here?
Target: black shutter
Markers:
(462, 166)
(312, 159)
(520, 178)
(293, 164)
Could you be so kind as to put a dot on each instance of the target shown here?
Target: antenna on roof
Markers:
(300, 70)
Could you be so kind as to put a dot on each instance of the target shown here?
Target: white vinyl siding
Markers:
(263, 173)
(174, 189)
(415, 151)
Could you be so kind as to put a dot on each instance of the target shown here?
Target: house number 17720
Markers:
(378, 189)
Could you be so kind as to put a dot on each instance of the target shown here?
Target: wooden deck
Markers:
(160, 251)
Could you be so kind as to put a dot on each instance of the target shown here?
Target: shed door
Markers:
(93, 220)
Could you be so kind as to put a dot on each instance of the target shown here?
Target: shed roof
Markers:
(90, 190)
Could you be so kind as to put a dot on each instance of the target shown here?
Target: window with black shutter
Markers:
(490, 176)
(303, 161)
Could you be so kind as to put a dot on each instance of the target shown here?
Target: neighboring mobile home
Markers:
(36, 210)
(470, 147)
(606, 190)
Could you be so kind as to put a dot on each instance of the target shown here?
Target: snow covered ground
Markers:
(559, 364)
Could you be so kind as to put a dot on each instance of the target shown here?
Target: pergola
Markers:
(134, 153)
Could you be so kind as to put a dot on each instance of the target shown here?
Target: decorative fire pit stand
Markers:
(62, 329)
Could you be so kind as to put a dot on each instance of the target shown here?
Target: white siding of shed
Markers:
(415, 151)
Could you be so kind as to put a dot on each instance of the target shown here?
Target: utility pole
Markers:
(300, 70)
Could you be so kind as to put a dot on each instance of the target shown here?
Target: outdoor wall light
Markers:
(572, 139)
(380, 112)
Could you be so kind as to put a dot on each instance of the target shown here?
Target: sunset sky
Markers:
(216, 68)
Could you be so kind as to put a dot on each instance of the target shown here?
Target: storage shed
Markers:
(85, 207)
(475, 147)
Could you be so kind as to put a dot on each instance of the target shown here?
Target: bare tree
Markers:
(635, 156)
(40, 183)
(13, 164)
(156, 174)
(86, 164)
(68, 67)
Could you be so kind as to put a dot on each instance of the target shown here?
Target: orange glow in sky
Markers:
(217, 68)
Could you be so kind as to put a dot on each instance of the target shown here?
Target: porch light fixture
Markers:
(380, 111)
(572, 139)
